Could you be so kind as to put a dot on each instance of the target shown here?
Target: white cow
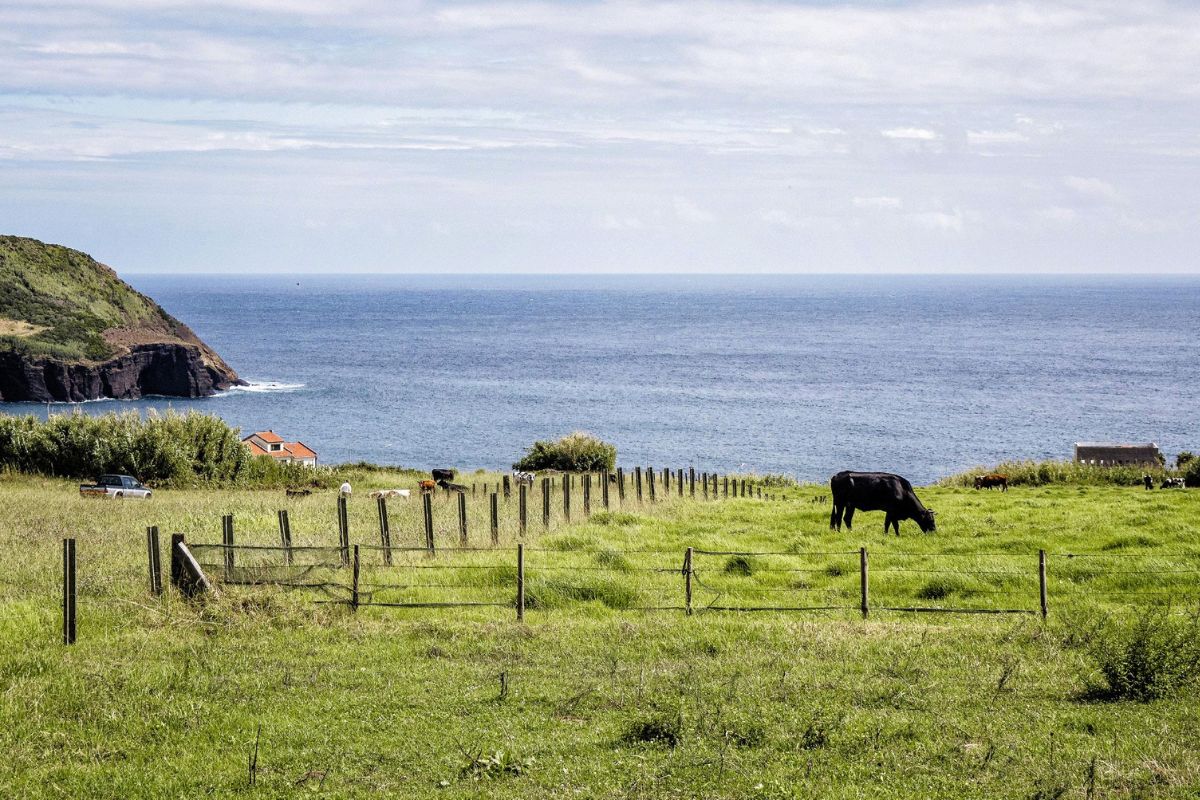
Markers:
(404, 493)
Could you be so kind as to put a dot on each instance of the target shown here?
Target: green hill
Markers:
(70, 329)
(60, 302)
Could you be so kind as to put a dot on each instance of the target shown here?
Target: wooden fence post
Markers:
(495, 508)
(285, 536)
(862, 579)
(604, 478)
(691, 481)
(508, 487)
(725, 486)
(666, 479)
(566, 492)
(637, 478)
(462, 519)
(679, 484)
(704, 484)
(522, 510)
(621, 485)
(520, 582)
(154, 555)
(385, 529)
(343, 530)
(186, 574)
(546, 502)
(176, 565)
(354, 582)
(69, 591)
(587, 494)
(650, 483)
(687, 581)
(1042, 582)
(427, 508)
(227, 540)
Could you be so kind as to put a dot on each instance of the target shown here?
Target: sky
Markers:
(602, 136)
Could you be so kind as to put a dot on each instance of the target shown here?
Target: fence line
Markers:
(536, 581)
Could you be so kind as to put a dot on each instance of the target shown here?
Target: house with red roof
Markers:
(269, 443)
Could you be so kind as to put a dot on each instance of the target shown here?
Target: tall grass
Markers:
(1043, 473)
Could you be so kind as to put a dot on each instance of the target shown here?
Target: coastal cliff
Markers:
(71, 330)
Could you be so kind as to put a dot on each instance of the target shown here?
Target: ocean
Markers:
(801, 375)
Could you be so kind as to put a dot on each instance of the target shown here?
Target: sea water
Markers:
(800, 375)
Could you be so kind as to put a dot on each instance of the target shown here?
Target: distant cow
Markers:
(442, 474)
(298, 492)
(1172, 483)
(452, 487)
(877, 491)
(427, 486)
(992, 481)
(520, 477)
(391, 493)
(1148, 482)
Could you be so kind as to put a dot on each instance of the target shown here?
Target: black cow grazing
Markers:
(877, 491)
(1172, 483)
(452, 487)
(442, 474)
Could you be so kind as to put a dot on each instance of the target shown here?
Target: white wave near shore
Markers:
(259, 387)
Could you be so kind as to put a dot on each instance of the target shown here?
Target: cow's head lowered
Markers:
(925, 520)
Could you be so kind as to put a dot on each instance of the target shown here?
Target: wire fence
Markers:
(696, 580)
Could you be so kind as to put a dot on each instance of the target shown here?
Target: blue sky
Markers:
(701, 136)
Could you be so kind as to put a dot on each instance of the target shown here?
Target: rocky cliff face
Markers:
(176, 370)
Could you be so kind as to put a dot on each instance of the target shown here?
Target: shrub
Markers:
(173, 449)
(1042, 473)
(1183, 459)
(1154, 656)
(575, 452)
(1191, 475)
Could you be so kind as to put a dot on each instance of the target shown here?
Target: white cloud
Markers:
(995, 137)
(938, 221)
(1058, 215)
(782, 219)
(1093, 189)
(618, 222)
(688, 211)
(918, 134)
(877, 202)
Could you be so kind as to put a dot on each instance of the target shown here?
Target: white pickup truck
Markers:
(115, 486)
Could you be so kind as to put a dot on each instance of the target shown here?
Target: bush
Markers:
(575, 452)
(1191, 474)
(171, 450)
(1155, 656)
(175, 449)
(1183, 459)
(1042, 473)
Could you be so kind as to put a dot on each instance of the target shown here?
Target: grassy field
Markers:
(591, 696)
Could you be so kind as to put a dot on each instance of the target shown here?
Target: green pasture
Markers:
(594, 696)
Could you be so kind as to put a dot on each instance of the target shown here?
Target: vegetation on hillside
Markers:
(575, 452)
(172, 450)
(1042, 473)
(58, 302)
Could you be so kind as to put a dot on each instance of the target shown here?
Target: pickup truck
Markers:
(115, 486)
